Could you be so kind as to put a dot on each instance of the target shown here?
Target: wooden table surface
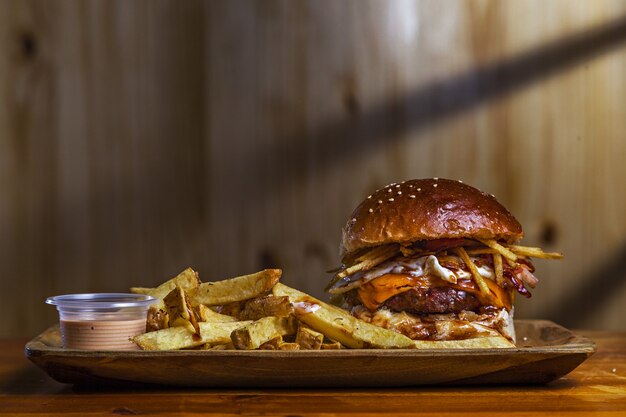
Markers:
(596, 388)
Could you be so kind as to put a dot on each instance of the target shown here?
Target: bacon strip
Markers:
(517, 284)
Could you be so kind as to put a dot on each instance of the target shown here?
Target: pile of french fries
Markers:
(252, 312)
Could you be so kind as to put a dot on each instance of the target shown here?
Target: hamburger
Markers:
(436, 260)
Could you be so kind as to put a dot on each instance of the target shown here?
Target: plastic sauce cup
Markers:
(103, 321)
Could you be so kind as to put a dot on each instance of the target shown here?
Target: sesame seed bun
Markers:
(427, 209)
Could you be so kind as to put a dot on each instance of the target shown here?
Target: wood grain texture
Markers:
(596, 388)
(139, 138)
(546, 352)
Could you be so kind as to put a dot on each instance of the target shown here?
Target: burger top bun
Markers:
(427, 209)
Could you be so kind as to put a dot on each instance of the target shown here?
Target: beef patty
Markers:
(433, 300)
(436, 300)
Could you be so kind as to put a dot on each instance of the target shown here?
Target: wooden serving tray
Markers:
(545, 352)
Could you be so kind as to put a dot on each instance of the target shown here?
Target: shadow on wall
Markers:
(596, 289)
(369, 129)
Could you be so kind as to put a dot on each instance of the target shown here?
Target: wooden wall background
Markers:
(138, 138)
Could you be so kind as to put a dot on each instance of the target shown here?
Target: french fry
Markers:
(509, 262)
(235, 289)
(207, 315)
(480, 251)
(331, 346)
(179, 310)
(480, 281)
(181, 337)
(309, 339)
(141, 290)
(370, 260)
(230, 309)
(157, 319)
(408, 251)
(374, 253)
(269, 305)
(187, 280)
(366, 262)
(499, 248)
(497, 266)
(272, 344)
(534, 252)
(227, 346)
(289, 346)
(338, 324)
(253, 335)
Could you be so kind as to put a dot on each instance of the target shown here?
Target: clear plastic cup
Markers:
(102, 321)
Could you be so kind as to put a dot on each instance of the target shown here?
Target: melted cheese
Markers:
(375, 292)
(379, 290)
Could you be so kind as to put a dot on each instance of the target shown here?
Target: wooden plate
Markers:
(545, 352)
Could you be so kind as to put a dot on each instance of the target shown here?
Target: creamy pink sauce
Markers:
(101, 334)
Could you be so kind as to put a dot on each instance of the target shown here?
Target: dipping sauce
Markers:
(101, 335)
(103, 321)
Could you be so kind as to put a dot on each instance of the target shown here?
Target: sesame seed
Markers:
(390, 190)
(399, 192)
(353, 220)
(398, 186)
(412, 195)
(436, 178)
(435, 185)
(419, 189)
(391, 199)
(371, 210)
(369, 196)
(614, 370)
(461, 181)
(380, 201)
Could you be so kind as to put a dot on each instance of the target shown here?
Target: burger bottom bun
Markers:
(494, 331)
(475, 343)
